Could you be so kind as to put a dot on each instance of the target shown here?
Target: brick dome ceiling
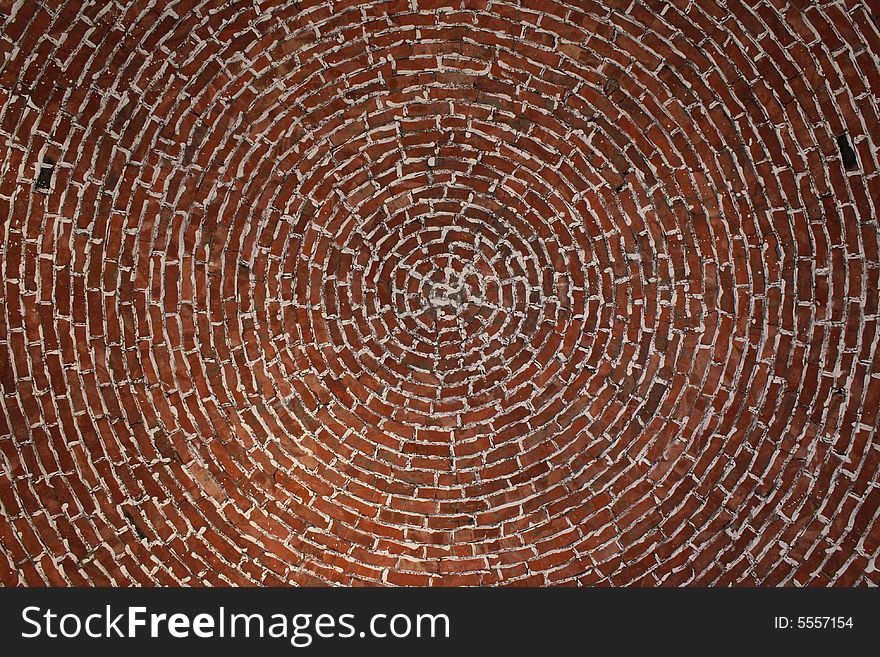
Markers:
(439, 292)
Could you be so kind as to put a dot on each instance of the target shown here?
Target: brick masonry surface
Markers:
(439, 292)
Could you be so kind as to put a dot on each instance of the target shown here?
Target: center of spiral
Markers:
(448, 297)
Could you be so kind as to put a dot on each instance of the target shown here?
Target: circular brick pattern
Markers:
(439, 292)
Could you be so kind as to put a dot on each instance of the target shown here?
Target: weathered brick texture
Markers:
(439, 292)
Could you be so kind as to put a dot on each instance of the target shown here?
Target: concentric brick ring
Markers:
(422, 292)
